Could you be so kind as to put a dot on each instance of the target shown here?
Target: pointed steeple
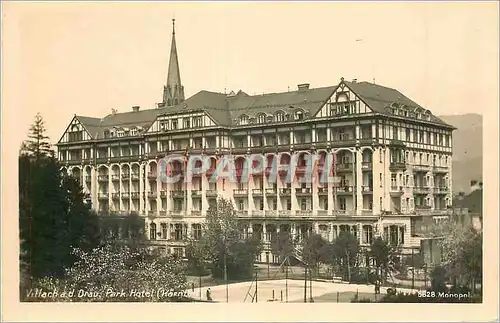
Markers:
(173, 92)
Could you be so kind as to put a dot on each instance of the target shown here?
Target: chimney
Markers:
(136, 108)
(113, 111)
(303, 86)
(354, 80)
(480, 185)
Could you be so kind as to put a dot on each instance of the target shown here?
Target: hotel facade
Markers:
(391, 158)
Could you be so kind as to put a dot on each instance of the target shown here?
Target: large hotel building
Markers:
(392, 158)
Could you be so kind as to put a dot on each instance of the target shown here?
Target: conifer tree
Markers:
(38, 143)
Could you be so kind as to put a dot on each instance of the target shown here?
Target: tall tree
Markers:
(313, 251)
(229, 253)
(346, 250)
(282, 245)
(380, 252)
(38, 143)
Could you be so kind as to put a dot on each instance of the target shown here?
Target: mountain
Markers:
(467, 149)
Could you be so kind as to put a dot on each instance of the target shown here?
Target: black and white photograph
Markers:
(250, 154)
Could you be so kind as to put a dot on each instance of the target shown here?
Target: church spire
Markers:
(173, 92)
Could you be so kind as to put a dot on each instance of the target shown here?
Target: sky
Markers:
(62, 59)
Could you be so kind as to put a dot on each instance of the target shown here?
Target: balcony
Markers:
(125, 195)
(176, 213)
(421, 168)
(163, 213)
(257, 213)
(240, 192)
(440, 169)
(421, 190)
(271, 213)
(367, 189)
(397, 166)
(211, 193)
(303, 191)
(285, 191)
(151, 212)
(303, 213)
(135, 177)
(440, 190)
(340, 212)
(152, 194)
(344, 167)
(163, 194)
(135, 195)
(115, 195)
(242, 213)
(177, 194)
(196, 212)
(103, 195)
(152, 175)
(257, 192)
(396, 190)
(284, 213)
(88, 178)
(196, 193)
(271, 191)
(102, 178)
(125, 176)
(322, 212)
(322, 191)
(115, 178)
(366, 165)
(344, 190)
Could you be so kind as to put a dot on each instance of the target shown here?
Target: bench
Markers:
(337, 280)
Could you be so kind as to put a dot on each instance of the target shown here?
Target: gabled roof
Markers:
(380, 97)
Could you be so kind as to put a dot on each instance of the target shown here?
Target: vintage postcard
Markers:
(248, 161)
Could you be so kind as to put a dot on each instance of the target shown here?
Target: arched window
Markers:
(244, 119)
(261, 118)
(299, 115)
(169, 102)
(279, 117)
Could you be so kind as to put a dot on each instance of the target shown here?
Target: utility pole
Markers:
(310, 286)
(412, 269)
(225, 270)
(256, 273)
(305, 284)
(286, 279)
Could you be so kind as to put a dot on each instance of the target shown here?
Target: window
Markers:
(261, 118)
(174, 124)
(421, 136)
(408, 136)
(279, 117)
(133, 132)
(288, 204)
(186, 123)
(393, 180)
(178, 232)
(244, 120)
(342, 205)
(394, 235)
(303, 204)
(163, 230)
(152, 231)
(121, 133)
(197, 122)
(196, 231)
(164, 126)
(299, 115)
(381, 206)
(367, 234)
(241, 205)
(380, 179)
(395, 135)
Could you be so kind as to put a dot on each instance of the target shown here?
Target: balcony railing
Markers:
(344, 189)
(270, 191)
(440, 190)
(322, 190)
(366, 165)
(322, 212)
(241, 212)
(115, 177)
(196, 193)
(421, 168)
(240, 192)
(125, 194)
(103, 195)
(303, 191)
(125, 175)
(257, 213)
(135, 195)
(421, 190)
(176, 213)
(397, 166)
(88, 178)
(196, 212)
(163, 194)
(135, 177)
(103, 178)
(211, 193)
(343, 167)
(152, 175)
(177, 194)
(285, 191)
(271, 213)
(303, 212)
(152, 194)
(257, 191)
(115, 195)
(367, 189)
(163, 213)
(440, 169)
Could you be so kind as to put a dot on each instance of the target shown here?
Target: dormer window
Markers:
(186, 123)
(261, 118)
(299, 115)
(197, 122)
(244, 119)
(121, 133)
(174, 124)
(107, 134)
(280, 116)
(133, 132)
